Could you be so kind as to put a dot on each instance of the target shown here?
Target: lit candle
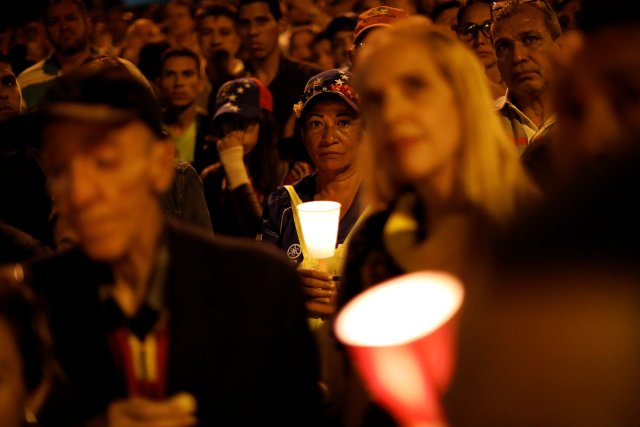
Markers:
(400, 336)
(319, 221)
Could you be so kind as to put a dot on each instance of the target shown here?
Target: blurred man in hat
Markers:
(144, 309)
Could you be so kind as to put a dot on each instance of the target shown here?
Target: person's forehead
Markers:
(322, 44)
(394, 53)
(302, 37)
(64, 138)
(176, 9)
(5, 70)
(218, 21)
(255, 10)
(330, 104)
(180, 62)
(527, 17)
(63, 7)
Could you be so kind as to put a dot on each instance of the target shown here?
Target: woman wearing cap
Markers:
(332, 131)
(250, 167)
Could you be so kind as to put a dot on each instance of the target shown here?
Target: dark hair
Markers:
(149, 62)
(27, 325)
(321, 36)
(346, 22)
(216, 12)
(79, 3)
(263, 161)
(439, 9)
(463, 8)
(186, 3)
(4, 59)
(181, 52)
(274, 6)
(550, 18)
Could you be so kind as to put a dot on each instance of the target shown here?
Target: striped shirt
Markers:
(521, 129)
(35, 80)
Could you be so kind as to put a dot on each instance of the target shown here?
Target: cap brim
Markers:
(330, 92)
(365, 30)
(250, 112)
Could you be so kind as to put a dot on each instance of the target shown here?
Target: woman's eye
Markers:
(315, 124)
(415, 83)
(344, 123)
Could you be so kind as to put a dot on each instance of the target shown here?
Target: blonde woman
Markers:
(446, 175)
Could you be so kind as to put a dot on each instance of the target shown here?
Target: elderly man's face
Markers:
(105, 182)
(526, 53)
(9, 92)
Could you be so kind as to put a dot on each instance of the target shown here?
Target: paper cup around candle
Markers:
(400, 336)
(319, 221)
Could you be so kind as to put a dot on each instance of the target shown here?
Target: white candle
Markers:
(319, 221)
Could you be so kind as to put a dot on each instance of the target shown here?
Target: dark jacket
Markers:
(238, 338)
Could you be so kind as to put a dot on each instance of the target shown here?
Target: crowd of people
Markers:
(153, 270)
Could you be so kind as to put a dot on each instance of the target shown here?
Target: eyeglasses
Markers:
(497, 6)
(470, 31)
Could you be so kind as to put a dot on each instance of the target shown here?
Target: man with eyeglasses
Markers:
(474, 29)
(525, 35)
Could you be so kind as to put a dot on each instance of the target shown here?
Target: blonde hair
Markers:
(489, 176)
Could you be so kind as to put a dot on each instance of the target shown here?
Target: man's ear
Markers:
(162, 168)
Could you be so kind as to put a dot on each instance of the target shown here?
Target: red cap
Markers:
(379, 16)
